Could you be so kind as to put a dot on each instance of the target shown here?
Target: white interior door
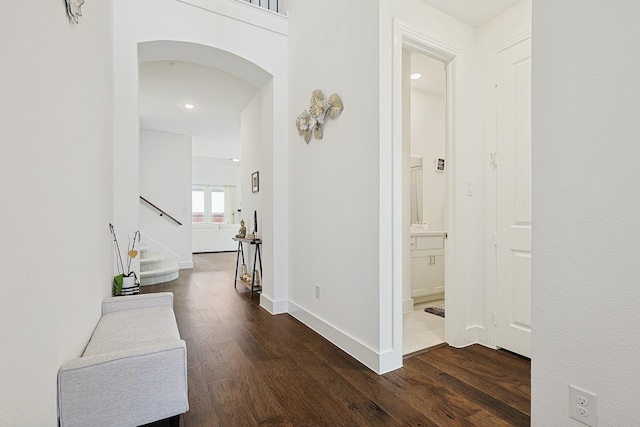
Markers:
(513, 313)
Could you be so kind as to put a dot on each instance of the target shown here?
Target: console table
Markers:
(251, 285)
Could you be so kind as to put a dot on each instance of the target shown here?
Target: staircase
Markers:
(154, 268)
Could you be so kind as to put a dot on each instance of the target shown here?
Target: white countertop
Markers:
(427, 233)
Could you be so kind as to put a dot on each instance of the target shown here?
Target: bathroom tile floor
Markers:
(421, 330)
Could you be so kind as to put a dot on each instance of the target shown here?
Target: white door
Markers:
(513, 133)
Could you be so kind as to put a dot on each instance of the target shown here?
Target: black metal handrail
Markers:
(162, 213)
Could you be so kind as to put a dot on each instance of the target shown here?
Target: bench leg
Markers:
(174, 421)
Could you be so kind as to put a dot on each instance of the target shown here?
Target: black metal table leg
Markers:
(239, 253)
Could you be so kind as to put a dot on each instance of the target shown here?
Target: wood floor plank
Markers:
(232, 409)
(249, 368)
(304, 402)
(263, 405)
(367, 411)
(374, 387)
(503, 360)
(496, 382)
(200, 419)
(199, 396)
(488, 403)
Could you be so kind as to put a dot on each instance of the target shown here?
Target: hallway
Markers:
(248, 368)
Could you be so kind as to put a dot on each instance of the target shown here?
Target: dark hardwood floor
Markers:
(249, 368)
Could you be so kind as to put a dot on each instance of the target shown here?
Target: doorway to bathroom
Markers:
(425, 138)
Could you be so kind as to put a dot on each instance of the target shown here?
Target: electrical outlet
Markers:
(583, 406)
(317, 291)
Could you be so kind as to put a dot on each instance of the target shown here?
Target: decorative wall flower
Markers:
(303, 123)
(73, 9)
(317, 103)
(313, 120)
(335, 106)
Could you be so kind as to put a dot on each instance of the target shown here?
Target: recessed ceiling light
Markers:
(236, 160)
(415, 76)
(189, 106)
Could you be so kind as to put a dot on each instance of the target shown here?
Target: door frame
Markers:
(404, 36)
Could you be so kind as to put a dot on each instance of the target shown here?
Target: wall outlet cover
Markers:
(583, 406)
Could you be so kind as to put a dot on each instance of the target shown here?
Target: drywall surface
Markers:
(165, 180)
(335, 180)
(55, 187)
(428, 139)
(586, 234)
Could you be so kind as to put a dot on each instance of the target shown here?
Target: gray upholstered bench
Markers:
(132, 372)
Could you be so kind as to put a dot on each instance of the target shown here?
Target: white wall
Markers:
(251, 139)
(334, 210)
(55, 186)
(215, 171)
(165, 180)
(219, 172)
(586, 100)
(428, 137)
(212, 27)
(251, 136)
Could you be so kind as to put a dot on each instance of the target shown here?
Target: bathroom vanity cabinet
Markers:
(427, 265)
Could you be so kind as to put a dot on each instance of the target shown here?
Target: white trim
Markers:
(406, 36)
(407, 305)
(274, 307)
(518, 38)
(185, 265)
(361, 352)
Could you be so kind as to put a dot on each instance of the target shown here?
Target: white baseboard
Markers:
(185, 264)
(474, 334)
(365, 355)
(407, 305)
(274, 307)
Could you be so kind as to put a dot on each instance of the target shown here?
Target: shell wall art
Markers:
(74, 9)
(312, 122)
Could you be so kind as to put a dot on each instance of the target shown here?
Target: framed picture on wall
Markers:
(255, 182)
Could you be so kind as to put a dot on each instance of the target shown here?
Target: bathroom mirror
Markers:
(415, 191)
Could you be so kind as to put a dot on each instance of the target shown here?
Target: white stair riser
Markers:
(159, 279)
(163, 271)
(144, 252)
(154, 261)
(151, 266)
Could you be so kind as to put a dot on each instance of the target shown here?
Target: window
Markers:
(211, 203)
(217, 204)
(197, 204)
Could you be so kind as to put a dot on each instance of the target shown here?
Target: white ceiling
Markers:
(473, 12)
(219, 97)
(433, 78)
(219, 83)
